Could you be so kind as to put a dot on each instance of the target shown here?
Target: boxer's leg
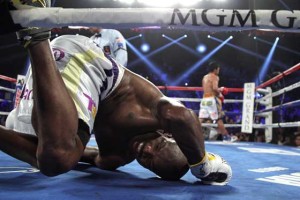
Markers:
(18, 145)
(54, 115)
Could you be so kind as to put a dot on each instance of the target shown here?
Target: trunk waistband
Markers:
(206, 95)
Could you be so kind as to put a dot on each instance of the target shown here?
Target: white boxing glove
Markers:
(212, 170)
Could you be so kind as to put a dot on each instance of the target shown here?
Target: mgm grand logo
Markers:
(283, 19)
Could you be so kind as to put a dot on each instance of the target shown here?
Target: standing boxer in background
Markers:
(213, 98)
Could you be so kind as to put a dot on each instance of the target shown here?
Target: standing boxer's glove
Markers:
(224, 90)
(212, 170)
(31, 35)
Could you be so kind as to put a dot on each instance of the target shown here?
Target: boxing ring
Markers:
(260, 170)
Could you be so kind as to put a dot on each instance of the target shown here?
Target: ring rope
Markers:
(7, 89)
(199, 100)
(163, 17)
(4, 100)
(280, 76)
(182, 88)
(279, 92)
(278, 125)
(6, 78)
(289, 104)
(216, 125)
(4, 113)
(275, 125)
(225, 112)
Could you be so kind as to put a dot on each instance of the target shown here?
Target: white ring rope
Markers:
(3, 100)
(289, 104)
(278, 125)
(7, 89)
(187, 99)
(216, 125)
(4, 113)
(279, 92)
(200, 19)
(275, 125)
(199, 100)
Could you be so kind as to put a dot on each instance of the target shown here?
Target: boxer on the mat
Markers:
(73, 89)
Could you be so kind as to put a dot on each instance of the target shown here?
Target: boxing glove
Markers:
(31, 35)
(213, 170)
(221, 97)
(224, 90)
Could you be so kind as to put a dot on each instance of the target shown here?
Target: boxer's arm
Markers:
(215, 86)
(91, 156)
(185, 128)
